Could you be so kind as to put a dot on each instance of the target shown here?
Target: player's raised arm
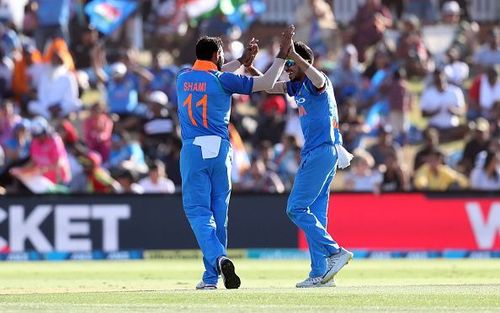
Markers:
(268, 80)
(317, 77)
(246, 58)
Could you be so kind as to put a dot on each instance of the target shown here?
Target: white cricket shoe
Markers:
(335, 263)
(314, 282)
(204, 286)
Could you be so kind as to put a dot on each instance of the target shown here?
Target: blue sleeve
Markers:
(234, 83)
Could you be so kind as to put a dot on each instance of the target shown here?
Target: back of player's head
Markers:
(304, 51)
(207, 46)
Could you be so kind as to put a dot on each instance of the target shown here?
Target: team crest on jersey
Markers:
(300, 100)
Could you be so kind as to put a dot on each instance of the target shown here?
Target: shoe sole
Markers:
(320, 285)
(231, 280)
(331, 274)
(207, 288)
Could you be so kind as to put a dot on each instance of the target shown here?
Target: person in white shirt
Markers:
(362, 175)
(443, 104)
(489, 91)
(489, 53)
(456, 70)
(57, 90)
(486, 176)
(157, 181)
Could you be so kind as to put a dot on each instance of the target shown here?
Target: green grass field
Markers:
(267, 286)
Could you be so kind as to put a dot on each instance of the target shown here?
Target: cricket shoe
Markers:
(226, 270)
(204, 286)
(335, 263)
(315, 282)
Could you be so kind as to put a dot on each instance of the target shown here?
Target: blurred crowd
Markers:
(81, 112)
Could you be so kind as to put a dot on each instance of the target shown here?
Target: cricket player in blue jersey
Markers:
(321, 154)
(204, 105)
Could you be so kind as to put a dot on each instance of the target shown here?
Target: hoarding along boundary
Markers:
(143, 226)
(415, 222)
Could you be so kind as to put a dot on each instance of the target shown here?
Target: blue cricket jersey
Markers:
(319, 118)
(204, 99)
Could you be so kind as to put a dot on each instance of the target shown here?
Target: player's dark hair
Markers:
(207, 46)
(304, 51)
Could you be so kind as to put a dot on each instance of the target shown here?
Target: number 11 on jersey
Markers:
(202, 102)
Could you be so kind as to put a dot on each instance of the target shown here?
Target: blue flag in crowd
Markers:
(107, 15)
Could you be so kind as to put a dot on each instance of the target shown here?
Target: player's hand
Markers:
(286, 42)
(250, 52)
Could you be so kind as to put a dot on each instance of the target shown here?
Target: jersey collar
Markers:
(202, 65)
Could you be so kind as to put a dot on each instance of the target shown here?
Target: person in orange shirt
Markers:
(21, 80)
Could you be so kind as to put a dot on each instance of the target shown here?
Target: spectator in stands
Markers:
(372, 96)
(157, 180)
(9, 40)
(260, 179)
(8, 119)
(97, 130)
(94, 179)
(128, 182)
(346, 77)
(464, 40)
(352, 125)
(159, 125)
(489, 53)
(483, 93)
(368, 26)
(48, 155)
(425, 10)
(126, 154)
(57, 90)
(163, 79)
(436, 176)
(52, 21)
(122, 90)
(478, 142)
(81, 48)
(384, 146)
(272, 122)
(487, 176)
(362, 176)
(23, 86)
(495, 119)
(6, 68)
(411, 48)
(17, 149)
(456, 71)
(30, 20)
(316, 25)
(395, 88)
(394, 177)
(431, 143)
(287, 160)
(443, 104)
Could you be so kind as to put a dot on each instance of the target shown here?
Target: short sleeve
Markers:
(234, 83)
